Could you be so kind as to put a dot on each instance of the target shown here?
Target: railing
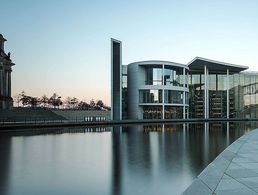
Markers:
(32, 120)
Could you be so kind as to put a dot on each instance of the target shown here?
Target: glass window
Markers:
(173, 76)
(154, 76)
(152, 112)
(186, 78)
(222, 82)
(173, 112)
(124, 81)
(171, 96)
(186, 98)
(150, 96)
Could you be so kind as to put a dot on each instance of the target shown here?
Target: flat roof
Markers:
(198, 63)
(159, 62)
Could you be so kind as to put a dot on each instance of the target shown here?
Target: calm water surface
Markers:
(140, 159)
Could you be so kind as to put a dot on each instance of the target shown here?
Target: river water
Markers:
(138, 159)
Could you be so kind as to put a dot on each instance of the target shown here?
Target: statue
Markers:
(9, 55)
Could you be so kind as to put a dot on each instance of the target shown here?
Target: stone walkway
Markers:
(234, 171)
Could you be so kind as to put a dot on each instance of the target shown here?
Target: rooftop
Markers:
(198, 63)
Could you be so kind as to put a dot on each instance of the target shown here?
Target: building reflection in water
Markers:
(5, 147)
(146, 156)
(117, 161)
(137, 159)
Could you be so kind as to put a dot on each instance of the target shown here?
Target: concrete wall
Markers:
(116, 80)
(81, 114)
(136, 79)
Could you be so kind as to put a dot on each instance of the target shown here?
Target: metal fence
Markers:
(33, 120)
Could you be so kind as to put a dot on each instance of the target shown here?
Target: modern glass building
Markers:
(157, 89)
(222, 90)
(203, 88)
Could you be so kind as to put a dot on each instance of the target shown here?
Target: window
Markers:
(173, 76)
(175, 97)
(150, 96)
(153, 76)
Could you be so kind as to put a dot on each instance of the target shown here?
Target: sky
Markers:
(63, 46)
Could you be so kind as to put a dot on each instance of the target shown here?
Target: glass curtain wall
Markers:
(196, 96)
(154, 75)
(172, 96)
(217, 95)
(152, 112)
(250, 90)
(124, 92)
(217, 86)
(173, 76)
(169, 76)
(243, 95)
(173, 112)
(150, 96)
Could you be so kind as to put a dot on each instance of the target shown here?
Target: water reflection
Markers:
(164, 158)
(5, 148)
(117, 161)
(137, 159)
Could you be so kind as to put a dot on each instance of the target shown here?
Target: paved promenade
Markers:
(234, 171)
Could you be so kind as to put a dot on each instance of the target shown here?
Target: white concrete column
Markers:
(184, 83)
(227, 93)
(163, 98)
(205, 92)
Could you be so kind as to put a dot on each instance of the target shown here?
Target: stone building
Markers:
(6, 64)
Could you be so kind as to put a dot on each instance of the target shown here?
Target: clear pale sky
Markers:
(64, 46)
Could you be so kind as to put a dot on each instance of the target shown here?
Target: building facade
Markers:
(203, 88)
(157, 89)
(6, 101)
(222, 90)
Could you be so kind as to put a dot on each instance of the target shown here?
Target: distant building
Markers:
(203, 88)
(6, 101)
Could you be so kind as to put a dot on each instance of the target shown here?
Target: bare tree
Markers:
(17, 99)
(92, 104)
(83, 105)
(55, 100)
(68, 102)
(74, 101)
(25, 100)
(100, 103)
(44, 100)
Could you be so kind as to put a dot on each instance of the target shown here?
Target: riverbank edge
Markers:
(207, 182)
(21, 126)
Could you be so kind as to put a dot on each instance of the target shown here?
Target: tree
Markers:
(44, 100)
(58, 102)
(55, 100)
(33, 101)
(74, 101)
(25, 99)
(68, 102)
(92, 104)
(83, 105)
(17, 99)
(100, 103)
